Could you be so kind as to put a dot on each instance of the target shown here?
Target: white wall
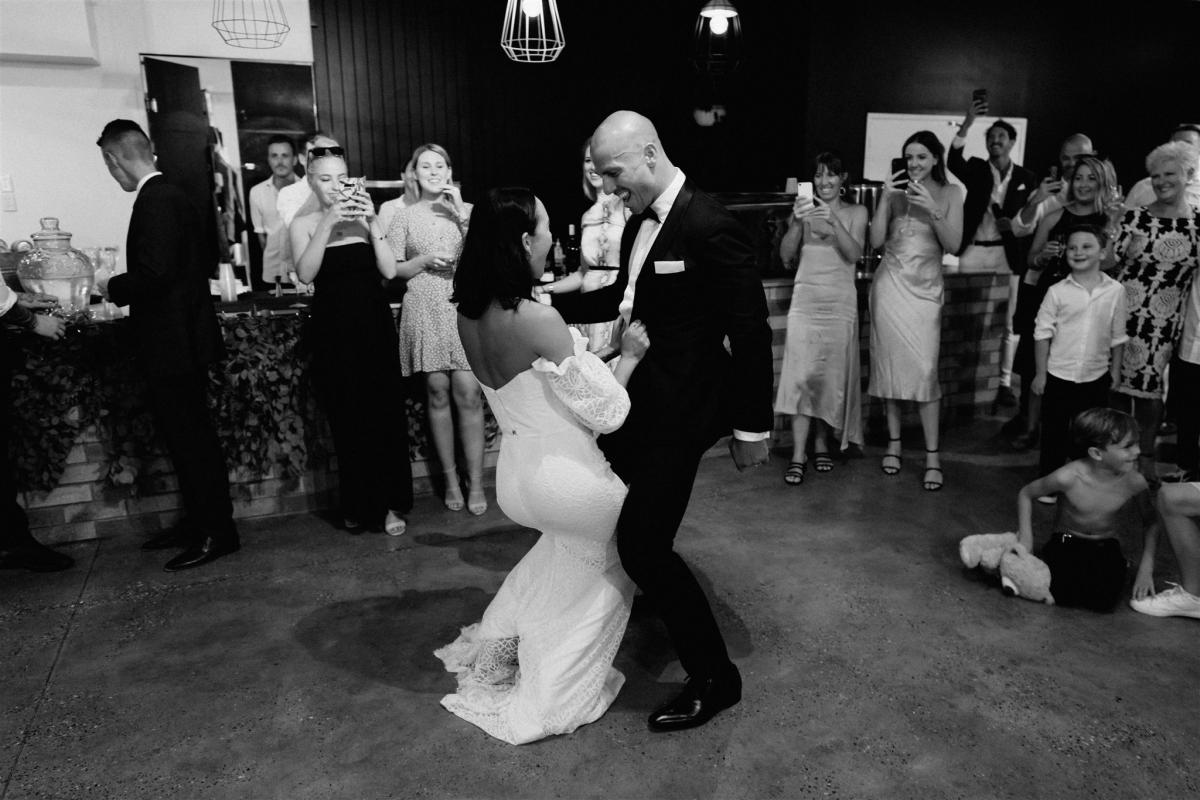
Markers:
(51, 113)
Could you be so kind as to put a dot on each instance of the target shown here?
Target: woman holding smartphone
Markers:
(427, 237)
(342, 249)
(918, 220)
(819, 380)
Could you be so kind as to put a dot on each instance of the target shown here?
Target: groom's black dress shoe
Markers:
(209, 548)
(699, 702)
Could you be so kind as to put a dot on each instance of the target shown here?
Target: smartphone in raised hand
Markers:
(804, 195)
(900, 165)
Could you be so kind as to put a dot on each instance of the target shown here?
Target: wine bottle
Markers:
(572, 250)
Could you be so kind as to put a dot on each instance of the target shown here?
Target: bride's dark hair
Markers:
(494, 266)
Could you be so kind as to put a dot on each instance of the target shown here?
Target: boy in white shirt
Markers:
(1078, 339)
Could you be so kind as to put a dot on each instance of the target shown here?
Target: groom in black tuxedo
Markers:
(688, 273)
(176, 337)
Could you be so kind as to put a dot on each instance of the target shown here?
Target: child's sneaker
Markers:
(1174, 602)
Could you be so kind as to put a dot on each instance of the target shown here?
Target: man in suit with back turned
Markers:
(688, 272)
(176, 337)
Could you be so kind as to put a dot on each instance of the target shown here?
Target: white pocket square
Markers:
(667, 267)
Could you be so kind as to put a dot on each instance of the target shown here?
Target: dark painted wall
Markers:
(390, 75)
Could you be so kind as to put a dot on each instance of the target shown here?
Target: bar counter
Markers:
(87, 461)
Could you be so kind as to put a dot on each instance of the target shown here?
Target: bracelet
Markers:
(937, 215)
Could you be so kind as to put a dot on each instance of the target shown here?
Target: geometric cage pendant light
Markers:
(256, 24)
(532, 32)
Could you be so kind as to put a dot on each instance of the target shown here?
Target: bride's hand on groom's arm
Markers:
(634, 341)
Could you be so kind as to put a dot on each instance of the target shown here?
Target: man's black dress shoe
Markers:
(171, 538)
(210, 548)
(699, 702)
(34, 556)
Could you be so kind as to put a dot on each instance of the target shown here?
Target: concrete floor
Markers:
(875, 666)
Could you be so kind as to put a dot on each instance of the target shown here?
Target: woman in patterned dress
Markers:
(427, 237)
(1159, 249)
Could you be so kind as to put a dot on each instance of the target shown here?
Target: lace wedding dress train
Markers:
(539, 662)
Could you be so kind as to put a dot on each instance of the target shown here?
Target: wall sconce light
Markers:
(717, 43)
(532, 32)
(256, 24)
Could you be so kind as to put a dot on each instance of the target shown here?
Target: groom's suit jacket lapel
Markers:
(663, 243)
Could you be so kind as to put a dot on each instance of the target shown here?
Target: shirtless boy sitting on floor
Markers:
(1087, 567)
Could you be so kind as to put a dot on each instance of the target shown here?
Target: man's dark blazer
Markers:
(976, 175)
(166, 287)
(689, 388)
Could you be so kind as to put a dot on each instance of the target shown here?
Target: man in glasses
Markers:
(296, 199)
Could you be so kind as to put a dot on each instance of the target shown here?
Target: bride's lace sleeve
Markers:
(587, 387)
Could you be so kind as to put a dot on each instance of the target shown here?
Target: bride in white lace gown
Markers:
(540, 661)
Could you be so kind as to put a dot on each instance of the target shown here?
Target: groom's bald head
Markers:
(627, 153)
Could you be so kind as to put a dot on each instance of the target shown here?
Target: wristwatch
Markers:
(937, 215)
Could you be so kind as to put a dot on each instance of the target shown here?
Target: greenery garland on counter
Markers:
(260, 398)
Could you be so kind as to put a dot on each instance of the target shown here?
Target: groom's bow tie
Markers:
(649, 213)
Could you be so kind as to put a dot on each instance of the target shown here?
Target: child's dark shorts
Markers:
(1086, 573)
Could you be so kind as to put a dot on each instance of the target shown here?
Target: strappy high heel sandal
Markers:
(927, 483)
(395, 524)
(891, 468)
(454, 497)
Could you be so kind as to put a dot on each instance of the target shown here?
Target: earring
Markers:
(842, 190)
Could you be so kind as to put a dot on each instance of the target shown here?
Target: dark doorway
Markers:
(271, 99)
(181, 133)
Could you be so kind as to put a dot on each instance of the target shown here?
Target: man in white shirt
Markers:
(1142, 193)
(264, 213)
(1078, 337)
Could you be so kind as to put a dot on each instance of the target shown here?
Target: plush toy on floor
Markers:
(1022, 574)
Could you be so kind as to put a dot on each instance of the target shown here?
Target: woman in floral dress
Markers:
(1159, 249)
(427, 237)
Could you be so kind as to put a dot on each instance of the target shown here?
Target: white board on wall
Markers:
(886, 134)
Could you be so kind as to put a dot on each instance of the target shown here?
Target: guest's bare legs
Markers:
(441, 430)
(800, 427)
(468, 399)
(929, 412)
(891, 460)
(1179, 504)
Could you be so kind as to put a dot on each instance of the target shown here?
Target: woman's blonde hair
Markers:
(1106, 177)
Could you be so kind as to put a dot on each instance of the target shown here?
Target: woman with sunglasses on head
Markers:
(427, 237)
(341, 247)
